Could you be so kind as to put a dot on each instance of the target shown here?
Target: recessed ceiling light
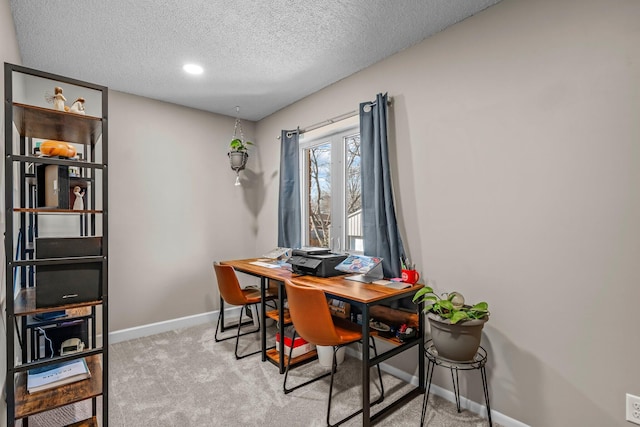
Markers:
(192, 69)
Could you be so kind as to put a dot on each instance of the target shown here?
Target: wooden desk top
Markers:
(245, 266)
(356, 291)
(337, 286)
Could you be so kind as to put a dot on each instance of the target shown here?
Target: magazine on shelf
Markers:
(50, 376)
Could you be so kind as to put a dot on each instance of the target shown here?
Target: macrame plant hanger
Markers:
(238, 154)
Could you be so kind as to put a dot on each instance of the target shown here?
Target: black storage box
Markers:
(322, 265)
(65, 247)
(60, 284)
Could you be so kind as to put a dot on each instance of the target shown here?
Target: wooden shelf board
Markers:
(31, 404)
(274, 355)
(273, 314)
(47, 123)
(91, 422)
(25, 304)
(57, 211)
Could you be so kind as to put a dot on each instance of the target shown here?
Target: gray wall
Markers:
(516, 149)
(173, 209)
(516, 172)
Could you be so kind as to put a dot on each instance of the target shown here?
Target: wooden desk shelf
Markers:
(31, 404)
(273, 314)
(91, 422)
(274, 356)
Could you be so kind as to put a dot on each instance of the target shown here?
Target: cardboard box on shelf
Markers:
(300, 345)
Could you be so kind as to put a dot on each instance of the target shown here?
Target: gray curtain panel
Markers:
(289, 225)
(379, 226)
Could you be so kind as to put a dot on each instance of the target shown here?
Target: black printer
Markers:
(319, 262)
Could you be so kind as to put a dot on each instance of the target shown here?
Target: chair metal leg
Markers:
(238, 334)
(375, 352)
(334, 368)
(220, 327)
(286, 372)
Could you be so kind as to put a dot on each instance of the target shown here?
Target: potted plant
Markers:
(456, 328)
(238, 153)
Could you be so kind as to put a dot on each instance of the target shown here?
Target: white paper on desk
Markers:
(399, 285)
(393, 285)
(265, 264)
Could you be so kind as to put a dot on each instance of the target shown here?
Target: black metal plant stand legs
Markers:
(479, 362)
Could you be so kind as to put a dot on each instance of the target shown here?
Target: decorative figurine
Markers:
(78, 204)
(58, 99)
(78, 106)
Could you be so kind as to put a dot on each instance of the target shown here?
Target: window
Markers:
(331, 190)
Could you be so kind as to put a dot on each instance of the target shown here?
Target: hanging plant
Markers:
(238, 148)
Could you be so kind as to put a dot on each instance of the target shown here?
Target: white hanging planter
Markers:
(238, 160)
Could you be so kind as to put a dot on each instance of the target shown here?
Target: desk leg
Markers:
(366, 393)
(281, 326)
(221, 314)
(421, 326)
(263, 317)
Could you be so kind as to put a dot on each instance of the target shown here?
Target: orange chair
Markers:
(312, 320)
(232, 293)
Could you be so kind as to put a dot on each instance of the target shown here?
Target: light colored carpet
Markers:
(184, 378)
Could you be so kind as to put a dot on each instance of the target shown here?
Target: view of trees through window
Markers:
(334, 194)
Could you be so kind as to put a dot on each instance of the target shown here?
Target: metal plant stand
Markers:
(478, 362)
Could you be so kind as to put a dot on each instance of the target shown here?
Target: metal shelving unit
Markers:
(23, 124)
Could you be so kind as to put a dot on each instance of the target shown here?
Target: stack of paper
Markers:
(50, 376)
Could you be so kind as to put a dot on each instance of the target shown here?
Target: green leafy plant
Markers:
(238, 144)
(451, 306)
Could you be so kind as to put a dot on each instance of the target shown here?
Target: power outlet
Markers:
(633, 409)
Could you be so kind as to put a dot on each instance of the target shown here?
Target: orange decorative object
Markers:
(57, 148)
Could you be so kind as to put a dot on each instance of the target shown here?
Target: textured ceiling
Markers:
(259, 55)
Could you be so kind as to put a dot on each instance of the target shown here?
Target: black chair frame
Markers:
(239, 325)
(334, 369)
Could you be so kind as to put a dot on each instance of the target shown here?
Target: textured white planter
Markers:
(457, 342)
(325, 355)
(238, 159)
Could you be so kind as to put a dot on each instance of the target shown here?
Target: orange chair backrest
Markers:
(310, 314)
(228, 285)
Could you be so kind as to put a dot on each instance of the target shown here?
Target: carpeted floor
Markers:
(184, 378)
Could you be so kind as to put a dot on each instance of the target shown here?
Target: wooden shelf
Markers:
(91, 422)
(72, 314)
(273, 314)
(57, 211)
(274, 356)
(34, 403)
(25, 304)
(47, 123)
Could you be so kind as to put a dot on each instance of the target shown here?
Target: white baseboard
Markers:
(170, 325)
(234, 312)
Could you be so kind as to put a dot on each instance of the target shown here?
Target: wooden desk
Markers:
(361, 295)
(265, 274)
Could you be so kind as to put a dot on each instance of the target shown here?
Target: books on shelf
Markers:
(50, 376)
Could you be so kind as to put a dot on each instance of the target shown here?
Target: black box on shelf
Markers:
(64, 247)
(60, 284)
(52, 186)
